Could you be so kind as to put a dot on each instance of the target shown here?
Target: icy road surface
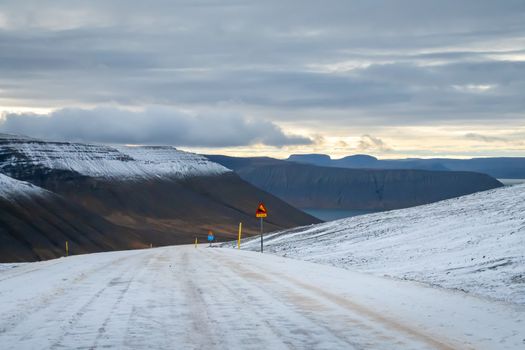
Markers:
(201, 298)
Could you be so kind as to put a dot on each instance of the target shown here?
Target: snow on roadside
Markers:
(474, 243)
(9, 266)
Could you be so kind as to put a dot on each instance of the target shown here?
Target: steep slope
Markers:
(308, 186)
(172, 194)
(500, 167)
(35, 223)
(472, 243)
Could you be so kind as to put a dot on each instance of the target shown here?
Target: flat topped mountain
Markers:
(499, 167)
(310, 186)
(145, 194)
(103, 161)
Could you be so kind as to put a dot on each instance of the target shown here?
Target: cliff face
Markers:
(308, 186)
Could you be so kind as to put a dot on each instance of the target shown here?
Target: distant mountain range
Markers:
(311, 186)
(501, 167)
(102, 198)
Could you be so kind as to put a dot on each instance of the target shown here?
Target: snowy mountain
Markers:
(103, 161)
(36, 223)
(137, 195)
(473, 243)
(11, 188)
(168, 161)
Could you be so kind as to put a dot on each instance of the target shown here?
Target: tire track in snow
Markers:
(120, 298)
(336, 299)
(23, 270)
(30, 308)
(154, 308)
(73, 321)
(201, 322)
(309, 331)
(256, 310)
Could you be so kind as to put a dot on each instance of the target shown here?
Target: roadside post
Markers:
(211, 237)
(67, 248)
(261, 213)
(239, 238)
(196, 241)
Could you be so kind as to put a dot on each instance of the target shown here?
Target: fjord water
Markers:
(511, 182)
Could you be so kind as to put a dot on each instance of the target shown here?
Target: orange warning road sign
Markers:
(261, 211)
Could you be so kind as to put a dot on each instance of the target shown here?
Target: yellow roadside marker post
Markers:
(261, 213)
(196, 241)
(240, 233)
(67, 248)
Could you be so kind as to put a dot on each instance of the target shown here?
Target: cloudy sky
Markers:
(405, 78)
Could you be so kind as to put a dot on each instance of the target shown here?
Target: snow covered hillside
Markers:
(474, 243)
(11, 188)
(103, 161)
(167, 160)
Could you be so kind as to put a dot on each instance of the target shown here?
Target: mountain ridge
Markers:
(310, 186)
(151, 194)
(498, 167)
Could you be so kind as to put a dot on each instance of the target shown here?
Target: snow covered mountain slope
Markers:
(169, 161)
(36, 223)
(474, 243)
(169, 194)
(102, 161)
(11, 188)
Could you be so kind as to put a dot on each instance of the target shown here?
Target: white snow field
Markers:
(474, 243)
(106, 161)
(205, 298)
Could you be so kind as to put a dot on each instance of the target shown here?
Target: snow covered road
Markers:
(188, 298)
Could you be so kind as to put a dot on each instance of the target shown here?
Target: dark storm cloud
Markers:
(361, 62)
(152, 126)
